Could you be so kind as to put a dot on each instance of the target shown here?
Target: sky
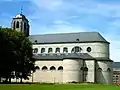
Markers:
(65, 16)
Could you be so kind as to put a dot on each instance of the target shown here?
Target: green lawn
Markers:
(60, 87)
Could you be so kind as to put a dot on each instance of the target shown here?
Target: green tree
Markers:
(17, 55)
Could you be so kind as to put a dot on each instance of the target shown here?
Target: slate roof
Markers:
(62, 56)
(20, 16)
(67, 37)
(83, 56)
(116, 65)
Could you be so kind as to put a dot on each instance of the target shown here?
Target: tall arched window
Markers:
(76, 49)
(49, 50)
(24, 26)
(85, 74)
(42, 50)
(14, 25)
(52, 68)
(57, 50)
(44, 68)
(17, 24)
(65, 50)
(21, 26)
(99, 75)
(60, 68)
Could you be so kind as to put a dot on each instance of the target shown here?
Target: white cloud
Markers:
(57, 28)
(87, 6)
(48, 4)
(60, 22)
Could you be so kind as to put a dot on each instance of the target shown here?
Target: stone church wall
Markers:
(90, 74)
(72, 72)
(97, 49)
(51, 74)
(75, 70)
(104, 72)
(100, 50)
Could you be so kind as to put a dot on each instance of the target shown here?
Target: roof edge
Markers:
(72, 42)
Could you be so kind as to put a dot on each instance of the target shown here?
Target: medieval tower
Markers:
(20, 23)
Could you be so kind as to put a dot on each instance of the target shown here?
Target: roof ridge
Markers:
(68, 37)
(63, 33)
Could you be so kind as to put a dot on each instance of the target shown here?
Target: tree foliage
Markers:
(16, 55)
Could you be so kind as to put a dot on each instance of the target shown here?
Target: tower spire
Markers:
(21, 10)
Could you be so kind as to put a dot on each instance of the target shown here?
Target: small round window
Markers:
(89, 49)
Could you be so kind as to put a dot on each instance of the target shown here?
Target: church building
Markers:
(68, 57)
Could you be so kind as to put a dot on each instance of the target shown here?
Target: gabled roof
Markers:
(67, 38)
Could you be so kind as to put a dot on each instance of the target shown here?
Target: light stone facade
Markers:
(98, 49)
(65, 60)
(72, 67)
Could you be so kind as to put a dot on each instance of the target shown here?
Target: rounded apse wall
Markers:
(71, 71)
(99, 50)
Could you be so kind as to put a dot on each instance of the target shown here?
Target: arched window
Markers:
(60, 68)
(57, 50)
(21, 24)
(42, 50)
(99, 75)
(50, 50)
(24, 26)
(37, 68)
(65, 49)
(81, 68)
(17, 24)
(85, 74)
(108, 70)
(52, 68)
(44, 68)
(35, 50)
(14, 25)
(99, 70)
(76, 49)
(85, 69)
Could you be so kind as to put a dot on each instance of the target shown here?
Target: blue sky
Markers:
(61, 16)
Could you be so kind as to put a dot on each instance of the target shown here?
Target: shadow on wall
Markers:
(85, 74)
(103, 76)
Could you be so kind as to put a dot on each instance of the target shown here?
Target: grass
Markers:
(58, 87)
